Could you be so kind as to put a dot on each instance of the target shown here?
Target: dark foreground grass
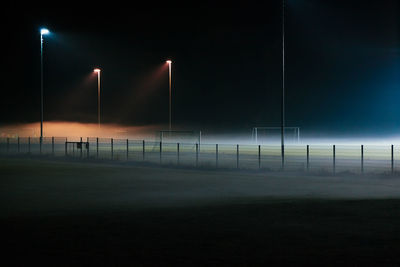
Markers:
(243, 231)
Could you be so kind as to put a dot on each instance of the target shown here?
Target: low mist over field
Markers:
(208, 135)
(76, 129)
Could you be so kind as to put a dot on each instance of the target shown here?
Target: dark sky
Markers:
(342, 64)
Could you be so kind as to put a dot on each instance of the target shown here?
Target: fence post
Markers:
(112, 148)
(216, 156)
(97, 147)
(259, 156)
(362, 159)
(81, 148)
(29, 144)
(334, 159)
(52, 145)
(127, 149)
(308, 157)
(8, 144)
(65, 147)
(392, 160)
(144, 149)
(160, 152)
(40, 144)
(197, 154)
(177, 151)
(237, 156)
(88, 147)
(18, 144)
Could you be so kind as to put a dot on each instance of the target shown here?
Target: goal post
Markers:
(190, 137)
(265, 134)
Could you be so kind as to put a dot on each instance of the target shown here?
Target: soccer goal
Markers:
(189, 137)
(76, 148)
(273, 134)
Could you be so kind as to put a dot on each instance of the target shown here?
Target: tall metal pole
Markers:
(98, 97)
(169, 65)
(41, 87)
(283, 88)
(43, 31)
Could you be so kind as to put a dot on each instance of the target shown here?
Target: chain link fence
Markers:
(313, 158)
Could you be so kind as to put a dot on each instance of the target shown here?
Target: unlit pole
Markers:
(283, 88)
(308, 157)
(259, 156)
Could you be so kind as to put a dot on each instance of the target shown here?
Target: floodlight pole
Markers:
(283, 88)
(169, 67)
(41, 86)
(98, 95)
(43, 31)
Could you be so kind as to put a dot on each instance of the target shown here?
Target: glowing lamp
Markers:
(97, 70)
(169, 61)
(44, 31)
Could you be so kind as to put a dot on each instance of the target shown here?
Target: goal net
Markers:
(262, 135)
(188, 137)
(76, 148)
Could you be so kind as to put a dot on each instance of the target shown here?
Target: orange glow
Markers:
(96, 70)
(75, 130)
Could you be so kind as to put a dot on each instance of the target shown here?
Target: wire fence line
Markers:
(321, 158)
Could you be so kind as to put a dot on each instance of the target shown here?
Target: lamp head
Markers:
(169, 62)
(97, 70)
(44, 31)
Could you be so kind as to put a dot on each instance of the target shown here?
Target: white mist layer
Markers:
(151, 132)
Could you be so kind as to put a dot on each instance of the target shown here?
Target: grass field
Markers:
(69, 213)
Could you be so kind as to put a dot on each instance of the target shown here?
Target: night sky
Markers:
(342, 64)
